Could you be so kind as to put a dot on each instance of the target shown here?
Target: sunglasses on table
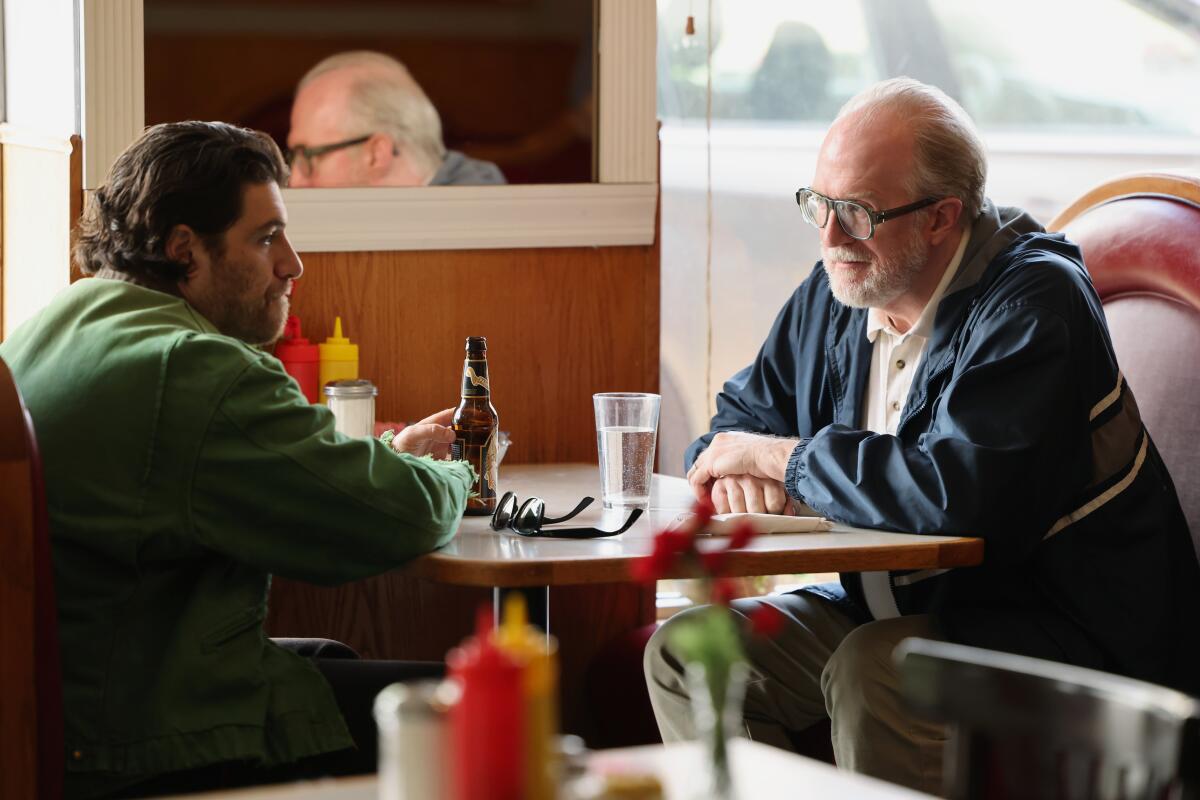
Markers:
(528, 517)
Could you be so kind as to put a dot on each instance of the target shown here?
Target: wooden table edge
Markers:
(945, 553)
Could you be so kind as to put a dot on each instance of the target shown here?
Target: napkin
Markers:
(723, 524)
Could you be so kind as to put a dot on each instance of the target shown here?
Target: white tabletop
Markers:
(759, 771)
(479, 556)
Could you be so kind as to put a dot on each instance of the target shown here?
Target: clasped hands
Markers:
(744, 472)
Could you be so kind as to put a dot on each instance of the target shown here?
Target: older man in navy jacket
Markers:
(945, 369)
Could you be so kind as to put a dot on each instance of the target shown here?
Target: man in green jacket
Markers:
(183, 467)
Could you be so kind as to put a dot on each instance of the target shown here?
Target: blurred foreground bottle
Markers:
(487, 748)
(339, 357)
(536, 653)
(476, 424)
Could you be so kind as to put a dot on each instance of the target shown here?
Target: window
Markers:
(1128, 68)
(1066, 94)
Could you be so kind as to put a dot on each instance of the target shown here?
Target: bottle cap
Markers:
(358, 387)
(526, 644)
(338, 347)
(293, 346)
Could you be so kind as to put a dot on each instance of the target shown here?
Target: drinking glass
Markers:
(626, 433)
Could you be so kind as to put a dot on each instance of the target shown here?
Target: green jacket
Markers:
(182, 468)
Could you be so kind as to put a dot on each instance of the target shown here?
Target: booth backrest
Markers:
(1140, 236)
(31, 720)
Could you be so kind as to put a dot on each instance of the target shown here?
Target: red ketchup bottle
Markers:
(487, 724)
(300, 358)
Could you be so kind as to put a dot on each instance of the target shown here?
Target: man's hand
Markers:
(736, 454)
(430, 435)
(746, 493)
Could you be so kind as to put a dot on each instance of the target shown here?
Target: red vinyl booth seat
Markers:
(1140, 236)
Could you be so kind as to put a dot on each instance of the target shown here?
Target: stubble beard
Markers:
(239, 312)
(886, 279)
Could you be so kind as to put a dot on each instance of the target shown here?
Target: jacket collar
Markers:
(849, 351)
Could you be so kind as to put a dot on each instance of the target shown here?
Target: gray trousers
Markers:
(822, 664)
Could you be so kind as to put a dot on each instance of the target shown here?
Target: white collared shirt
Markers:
(894, 362)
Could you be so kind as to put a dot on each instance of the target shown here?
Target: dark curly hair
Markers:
(177, 173)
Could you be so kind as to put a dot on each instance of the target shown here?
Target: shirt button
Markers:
(900, 363)
(895, 405)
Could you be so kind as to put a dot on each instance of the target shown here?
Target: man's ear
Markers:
(381, 153)
(182, 247)
(944, 220)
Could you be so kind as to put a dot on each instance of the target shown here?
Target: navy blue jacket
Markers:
(1019, 429)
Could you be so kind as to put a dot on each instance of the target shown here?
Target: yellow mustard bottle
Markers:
(338, 357)
(537, 654)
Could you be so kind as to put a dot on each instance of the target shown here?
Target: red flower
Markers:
(674, 542)
(646, 570)
(723, 590)
(766, 620)
(703, 511)
(713, 561)
(741, 535)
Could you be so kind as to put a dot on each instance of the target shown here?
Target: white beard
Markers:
(885, 279)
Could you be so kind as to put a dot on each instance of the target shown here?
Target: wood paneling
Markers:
(561, 324)
(76, 200)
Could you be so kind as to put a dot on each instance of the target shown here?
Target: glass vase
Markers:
(716, 697)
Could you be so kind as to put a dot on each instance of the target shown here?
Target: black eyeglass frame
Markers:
(876, 218)
(530, 516)
(310, 153)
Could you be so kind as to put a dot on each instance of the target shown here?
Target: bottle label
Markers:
(482, 457)
(490, 471)
(475, 379)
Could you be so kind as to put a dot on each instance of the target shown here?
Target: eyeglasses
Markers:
(300, 157)
(528, 519)
(856, 220)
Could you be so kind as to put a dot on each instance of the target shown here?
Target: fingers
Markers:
(720, 498)
(423, 437)
(441, 450)
(747, 493)
(752, 492)
(699, 476)
(775, 498)
(443, 417)
(737, 500)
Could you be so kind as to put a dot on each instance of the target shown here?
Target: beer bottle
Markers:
(476, 424)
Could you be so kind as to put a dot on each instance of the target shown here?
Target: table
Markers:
(479, 556)
(759, 771)
(421, 611)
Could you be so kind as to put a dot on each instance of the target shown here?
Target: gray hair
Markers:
(384, 98)
(950, 159)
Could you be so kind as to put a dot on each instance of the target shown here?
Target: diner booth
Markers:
(560, 269)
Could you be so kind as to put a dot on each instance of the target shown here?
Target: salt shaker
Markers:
(353, 405)
(413, 739)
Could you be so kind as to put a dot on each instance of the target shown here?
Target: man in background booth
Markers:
(360, 119)
(183, 467)
(945, 369)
